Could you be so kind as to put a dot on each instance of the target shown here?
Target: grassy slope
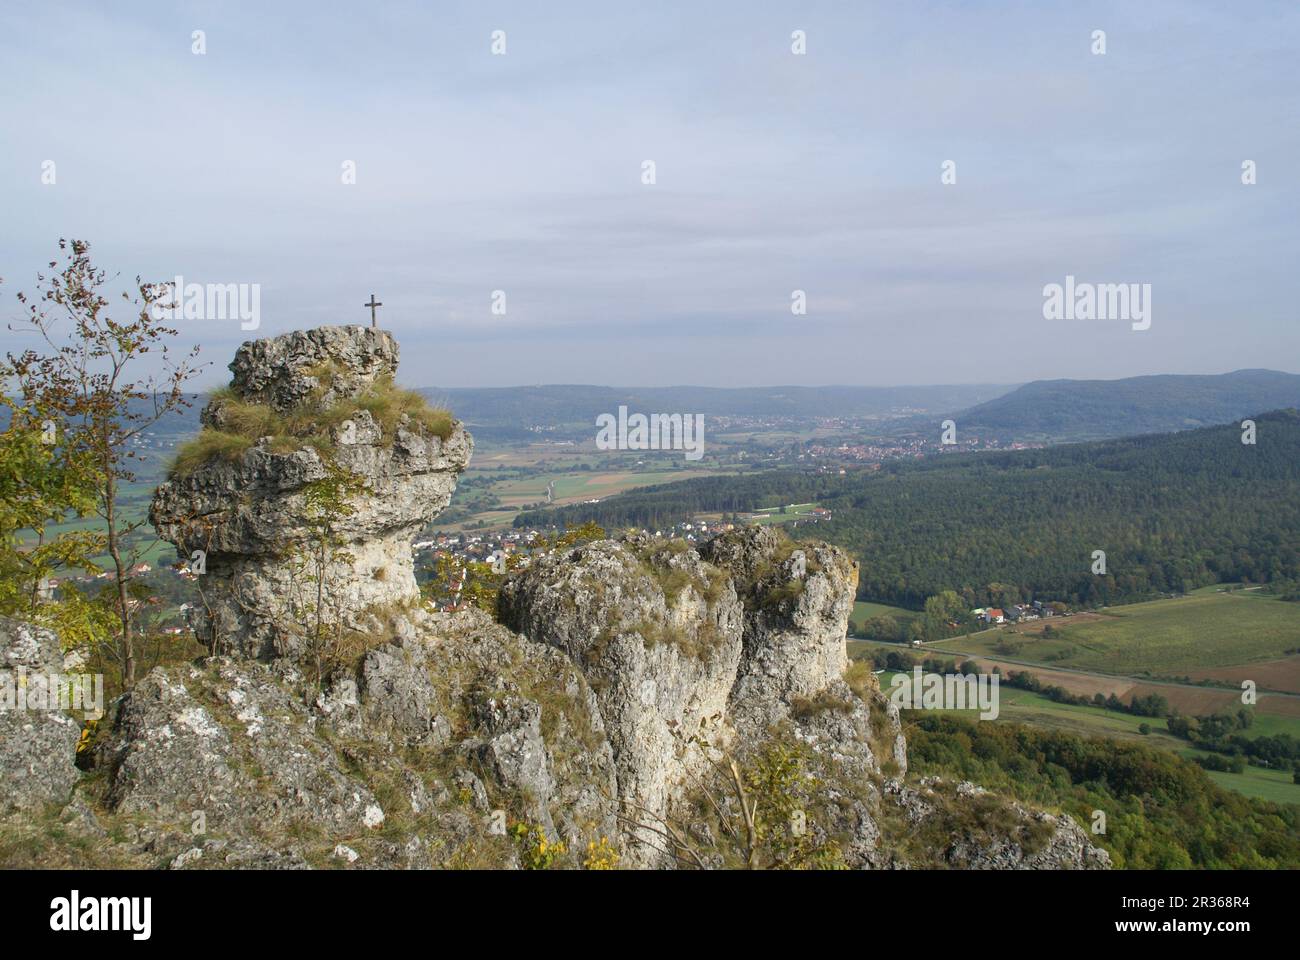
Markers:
(1159, 638)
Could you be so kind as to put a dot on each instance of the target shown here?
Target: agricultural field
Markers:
(864, 610)
(1281, 674)
(1187, 637)
(1274, 785)
(772, 437)
(584, 485)
(132, 507)
(506, 477)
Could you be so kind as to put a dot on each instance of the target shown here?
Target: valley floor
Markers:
(1210, 641)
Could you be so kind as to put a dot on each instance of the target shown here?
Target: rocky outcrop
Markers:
(38, 741)
(457, 742)
(282, 372)
(230, 744)
(797, 599)
(449, 734)
(697, 656)
(966, 827)
(273, 525)
(657, 632)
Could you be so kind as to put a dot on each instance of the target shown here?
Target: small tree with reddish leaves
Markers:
(86, 373)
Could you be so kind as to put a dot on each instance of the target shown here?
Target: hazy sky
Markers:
(775, 172)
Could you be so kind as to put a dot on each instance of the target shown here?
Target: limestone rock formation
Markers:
(693, 661)
(281, 371)
(657, 632)
(797, 601)
(238, 763)
(186, 744)
(947, 825)
(269, 524)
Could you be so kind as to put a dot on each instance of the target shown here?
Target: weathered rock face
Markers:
(797, 600)
(37, 745)
(614, 727)
(281, 371)
(657, 633)
(947, 825)
(221, 750)
(405, 763)
(265, 524)
(692, 660)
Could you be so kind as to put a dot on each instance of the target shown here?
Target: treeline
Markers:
(1091, 409)
(1171, 512)
(903, 661)
(1151, 705)
(665, 504)
(1220, 733)
(1162, 812)
(1225, 733)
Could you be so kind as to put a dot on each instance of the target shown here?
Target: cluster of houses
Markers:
(1013, 614)
(483, 546)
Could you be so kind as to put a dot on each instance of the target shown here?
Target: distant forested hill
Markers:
(1094, 409)
(1171, 511)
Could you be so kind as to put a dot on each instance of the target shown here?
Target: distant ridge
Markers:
(1043, 410)
(504, 412)
(1056, 410)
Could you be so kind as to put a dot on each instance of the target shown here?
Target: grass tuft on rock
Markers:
(207, 446)
(245, 423)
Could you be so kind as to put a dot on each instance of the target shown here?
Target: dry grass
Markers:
(307, 425)
(209, 445)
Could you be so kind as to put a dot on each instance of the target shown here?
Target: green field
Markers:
(132, 507)
(865, 610)
(1274, 785)
(504, 479)
(1169, 638)
(1022, 706)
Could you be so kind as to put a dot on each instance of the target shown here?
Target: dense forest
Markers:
(1171, 512)
(1162, 812)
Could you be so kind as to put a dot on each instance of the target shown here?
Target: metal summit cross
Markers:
(372, 304)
